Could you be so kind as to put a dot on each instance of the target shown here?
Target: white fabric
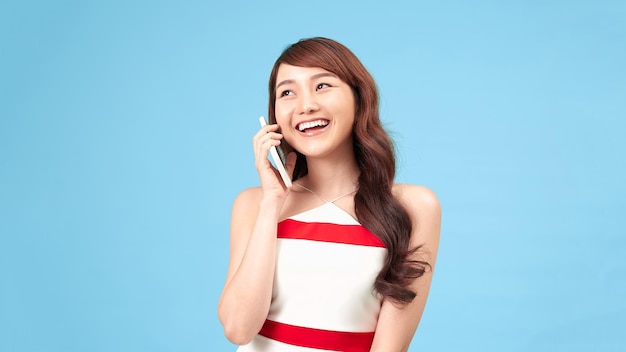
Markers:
(261, 343)
(323, 285)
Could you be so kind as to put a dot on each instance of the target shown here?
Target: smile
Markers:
(312, 125)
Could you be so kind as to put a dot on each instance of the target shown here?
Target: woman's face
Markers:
(315, 110)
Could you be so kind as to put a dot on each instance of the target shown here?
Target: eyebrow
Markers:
(314, 77)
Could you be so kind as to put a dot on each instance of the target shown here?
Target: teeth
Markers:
(310, 124)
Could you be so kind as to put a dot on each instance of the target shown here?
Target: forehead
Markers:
(298, 73)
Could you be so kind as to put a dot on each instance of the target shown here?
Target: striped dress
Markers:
(323, 296)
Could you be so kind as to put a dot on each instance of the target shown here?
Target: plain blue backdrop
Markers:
(125, 134)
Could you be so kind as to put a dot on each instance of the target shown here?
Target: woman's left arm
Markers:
(396, 325)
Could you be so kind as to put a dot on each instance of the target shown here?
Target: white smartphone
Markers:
(278, 162)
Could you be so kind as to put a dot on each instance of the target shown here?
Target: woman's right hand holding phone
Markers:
(269, 136)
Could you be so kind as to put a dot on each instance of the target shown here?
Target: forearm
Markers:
(246, 298)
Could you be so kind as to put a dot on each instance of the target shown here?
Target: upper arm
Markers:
(244, 213)
(396, 325)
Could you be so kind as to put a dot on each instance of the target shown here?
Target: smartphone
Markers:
(278, 162)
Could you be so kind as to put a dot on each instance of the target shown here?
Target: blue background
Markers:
(125, 135)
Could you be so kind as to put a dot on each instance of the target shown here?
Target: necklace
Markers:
(322, 198)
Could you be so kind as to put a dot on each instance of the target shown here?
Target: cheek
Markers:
(283, 120)
(281, 111)
(279, 115)
(346, 107)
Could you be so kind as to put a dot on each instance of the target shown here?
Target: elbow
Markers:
(235, 331)
(238, 335)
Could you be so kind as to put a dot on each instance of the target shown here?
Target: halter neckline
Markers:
(322, 198)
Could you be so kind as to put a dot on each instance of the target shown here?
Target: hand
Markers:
(271, 182)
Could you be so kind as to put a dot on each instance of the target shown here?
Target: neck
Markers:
(331, 178)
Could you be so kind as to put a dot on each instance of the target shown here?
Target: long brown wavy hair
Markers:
(375, 206)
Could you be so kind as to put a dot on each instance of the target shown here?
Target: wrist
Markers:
(270, 206)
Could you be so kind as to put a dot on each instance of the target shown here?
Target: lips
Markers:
(312, 125)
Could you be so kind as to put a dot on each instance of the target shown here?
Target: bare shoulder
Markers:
(246, 204)
(424, 209)
(417, 198)
(249, 197)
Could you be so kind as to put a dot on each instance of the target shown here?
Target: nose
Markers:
(307, 103)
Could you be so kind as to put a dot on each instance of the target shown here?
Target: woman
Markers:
(343, 259)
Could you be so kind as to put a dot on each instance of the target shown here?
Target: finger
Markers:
(263, 148)
(267, 144)
(272, 136)
(275, 139)
(269, 130)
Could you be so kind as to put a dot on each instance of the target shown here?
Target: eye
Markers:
(322, 86)
(285, 93)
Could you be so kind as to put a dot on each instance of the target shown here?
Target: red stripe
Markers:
(327, 232)
(316, 338)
